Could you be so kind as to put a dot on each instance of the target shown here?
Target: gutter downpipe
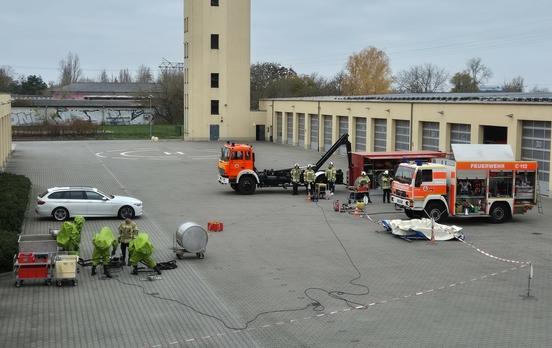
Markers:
(272, 125)
(319, 121)
(411, 124)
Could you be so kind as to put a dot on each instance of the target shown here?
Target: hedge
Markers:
(14, 198)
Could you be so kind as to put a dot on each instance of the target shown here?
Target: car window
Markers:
(94, 196)
(77, 195)
(58, 195)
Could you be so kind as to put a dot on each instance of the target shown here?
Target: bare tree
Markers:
(124, 76)
(168, 103)
(103, 77)
(425, 78)
(144, 74)
(514, 85)
(6, 78)
(538, 89)
(479, 72)
(69, 68)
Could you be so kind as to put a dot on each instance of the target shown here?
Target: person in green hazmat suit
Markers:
(141, 250)
(105, 245)
(69, 236)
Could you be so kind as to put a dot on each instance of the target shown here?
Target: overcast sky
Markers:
(512, 37)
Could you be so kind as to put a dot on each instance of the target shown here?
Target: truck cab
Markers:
(237, 161)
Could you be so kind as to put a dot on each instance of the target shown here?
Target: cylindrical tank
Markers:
(192, 237)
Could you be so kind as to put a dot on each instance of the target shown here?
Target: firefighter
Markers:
(295, 178)
(141, 250)
(385, 182)
(309, 180)
(330, 177)
(127, 232)
(103, 242)
(362, 184)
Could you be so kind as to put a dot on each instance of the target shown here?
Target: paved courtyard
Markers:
(274, 247)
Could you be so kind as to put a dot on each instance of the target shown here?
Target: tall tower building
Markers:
(217, 71)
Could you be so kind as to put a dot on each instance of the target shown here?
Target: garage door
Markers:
(380, 135)
(301, 129)
(535, 146)
(430, 136)
(360, 134)
(460, 133)
(279, 127)
(314, 132)
(289, 125)
(402, 135)
(327, 132)
(343, 129)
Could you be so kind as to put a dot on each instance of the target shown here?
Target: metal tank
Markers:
(191, 238)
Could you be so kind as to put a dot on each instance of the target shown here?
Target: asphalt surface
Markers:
(274, 246)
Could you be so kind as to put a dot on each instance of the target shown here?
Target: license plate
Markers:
(398, 201)
(224, 181)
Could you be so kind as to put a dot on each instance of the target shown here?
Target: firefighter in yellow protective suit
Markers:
(385, 182)
(295, 178)
(331, 173)
(105, 245)
(308, 177)
(141, 250)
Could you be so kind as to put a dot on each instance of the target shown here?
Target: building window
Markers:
(430, 136)
(186, 20)
(214, 107)
(215, 3)
(214, 41)
(214, 80)
(186, 49)
(402, 135)
(380, 134)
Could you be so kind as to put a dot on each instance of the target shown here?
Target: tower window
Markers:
(214, 2)
(214, 41)
(214, 80)
(214, 107)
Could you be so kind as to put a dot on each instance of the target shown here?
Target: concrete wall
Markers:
(231, 21)
(477, 115)
(5, 130)
(27, 116)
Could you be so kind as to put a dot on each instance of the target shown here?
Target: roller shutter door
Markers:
(360, 134)
(314, 132)
(289, 129)
(535, 146)
(380, 135)
(402, 135)
(279, 127)
(343, 129)
(430, 136)
(460, 133)
(301, 130)
(327, 132)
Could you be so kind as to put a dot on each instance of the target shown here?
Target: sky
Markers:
(513, 37)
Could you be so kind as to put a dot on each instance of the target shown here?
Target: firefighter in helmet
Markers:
(295, 178)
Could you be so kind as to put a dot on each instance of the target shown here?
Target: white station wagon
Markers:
(61, 203)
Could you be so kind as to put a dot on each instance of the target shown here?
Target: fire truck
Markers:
(237, 167)
(482, 180)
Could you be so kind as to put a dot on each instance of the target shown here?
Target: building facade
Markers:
(217, 71)
(5, 130)
(418, 122)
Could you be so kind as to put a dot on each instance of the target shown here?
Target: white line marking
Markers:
(99, 154)
(293, 321)
(334, 312)
(156, 346)
(175, 342)
(452, 285)
(280, 323)
(180, 153)
(372, 304)
(494, 274)
(167, 153)
(190, 340)
(419, 293)
(384, 301)
(430, 290)
(267, 325)
(320, 315)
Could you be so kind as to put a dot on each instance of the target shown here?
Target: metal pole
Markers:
(151, 118)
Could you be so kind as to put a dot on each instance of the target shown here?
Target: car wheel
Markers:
(436, 211)
(126, 212)
(499, 213)
(60, 214)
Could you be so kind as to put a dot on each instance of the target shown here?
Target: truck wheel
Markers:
(436, 211)
(247, 185)
(234, 187)
(499, 213)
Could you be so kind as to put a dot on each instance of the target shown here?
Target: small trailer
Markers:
(35, 259)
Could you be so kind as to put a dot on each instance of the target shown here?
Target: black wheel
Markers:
(60, 214)
(75, 282)
(126, 212)
(436, 211)
(58, 283)
(200, 255)
(247, 185)
(18, 283)
(179, 256)
(234, 187)
(499, 213)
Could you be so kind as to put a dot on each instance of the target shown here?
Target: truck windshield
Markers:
(404, 175)
(224, 154)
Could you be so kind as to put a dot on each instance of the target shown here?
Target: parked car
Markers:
(62, 203)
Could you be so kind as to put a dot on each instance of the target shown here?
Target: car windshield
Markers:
(404, 175)
(224, 154)
(105, 194)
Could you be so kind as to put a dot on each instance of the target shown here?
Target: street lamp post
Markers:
(151, 117)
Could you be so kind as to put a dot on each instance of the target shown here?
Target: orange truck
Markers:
(236, 168)
(482, 180)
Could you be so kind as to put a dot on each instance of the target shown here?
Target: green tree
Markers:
(462, 82)
(33, 85)
(265, 79)
(367, 72)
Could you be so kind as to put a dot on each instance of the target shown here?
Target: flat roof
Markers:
(401, 154)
